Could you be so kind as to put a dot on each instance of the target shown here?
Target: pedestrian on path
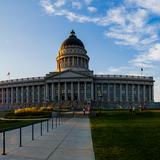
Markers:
(84, 111)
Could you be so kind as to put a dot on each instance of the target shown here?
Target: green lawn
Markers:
(12, 124)
(3, 113)
(9, 125)
(126, 136)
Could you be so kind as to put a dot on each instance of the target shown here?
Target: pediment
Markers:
(67, 74)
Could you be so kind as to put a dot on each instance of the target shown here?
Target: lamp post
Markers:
(59, 87)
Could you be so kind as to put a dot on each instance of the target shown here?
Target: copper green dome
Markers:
(72, 40)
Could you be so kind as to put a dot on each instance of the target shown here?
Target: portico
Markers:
(69, 86)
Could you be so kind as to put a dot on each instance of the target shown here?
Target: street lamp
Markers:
(59, 80)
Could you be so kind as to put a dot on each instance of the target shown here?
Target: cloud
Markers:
(115, 16)
(145, 60)
(60, 3)
(154, 53)
(128, 28)
(125, 24)
(76, 5)
(129, 70)
(88, 1)
(47, 6)
(92, 9)
(151, 5)
(51, 8)
(123, 38)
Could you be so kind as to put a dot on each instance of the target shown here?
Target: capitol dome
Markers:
(72, 40)
(72, 54)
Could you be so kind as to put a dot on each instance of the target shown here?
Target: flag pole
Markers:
(141, 72)
(8, 74)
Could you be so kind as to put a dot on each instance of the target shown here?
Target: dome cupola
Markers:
(72, 40)
(72, 54)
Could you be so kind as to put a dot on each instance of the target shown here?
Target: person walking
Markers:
(84, 111)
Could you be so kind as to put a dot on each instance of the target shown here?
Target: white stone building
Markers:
(73, 81)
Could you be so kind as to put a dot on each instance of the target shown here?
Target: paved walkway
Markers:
(70, 141)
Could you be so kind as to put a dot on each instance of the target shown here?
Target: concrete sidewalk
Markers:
(70, 141)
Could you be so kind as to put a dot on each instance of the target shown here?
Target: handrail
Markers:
(58, 121)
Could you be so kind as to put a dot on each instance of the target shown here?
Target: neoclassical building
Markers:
(74, 81)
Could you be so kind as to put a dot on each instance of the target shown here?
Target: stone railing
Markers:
(123, 77)
(22, 80)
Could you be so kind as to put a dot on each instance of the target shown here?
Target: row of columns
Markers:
(151, 95)
(46, 93)
(72, 91)
(17, 101)
(10, 98)
(73, 61)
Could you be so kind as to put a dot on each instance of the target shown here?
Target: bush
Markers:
(32, 112)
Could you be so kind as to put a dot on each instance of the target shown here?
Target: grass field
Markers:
(9, 125)
(126, 136)
(12, 124)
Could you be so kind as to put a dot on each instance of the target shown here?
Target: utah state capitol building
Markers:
(74, 81)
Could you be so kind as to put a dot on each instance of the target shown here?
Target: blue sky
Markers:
(121, 36)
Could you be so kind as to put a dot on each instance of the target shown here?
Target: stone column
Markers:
(22, 101)
(95, 88)
(81, 62)
(27, 94)
(32, 94)
(2, 95)
(152, 87)
(85, 64)
(7, 95)
(59, 92)
(108, 93)
(68, 61)
(47, 92)
(72, 94)
(132, 92)
(12, 95)
(92, 91)
(72, 61)
(144, 93)
(85, 91)
(150, 95)
(53, 92)
(17, 100)
(38, 93)
(120, 92)
(102, 92)
(126, 92)
(139, 93)
(115, 92)
(65, 91)
(44, 93)
(78, 91)
(77, 60)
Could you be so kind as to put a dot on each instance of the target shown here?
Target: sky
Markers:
(120, 36)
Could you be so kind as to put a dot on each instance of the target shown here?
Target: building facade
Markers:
(74, 81)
